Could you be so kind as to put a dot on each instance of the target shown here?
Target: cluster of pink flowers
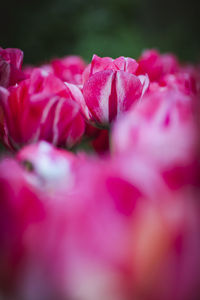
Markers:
(120, 221)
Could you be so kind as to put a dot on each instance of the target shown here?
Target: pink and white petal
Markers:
(96, 92)
(128, 90)
(38, 117)
(57, 114)
(76, 94)
(144, 79)
(65, 114)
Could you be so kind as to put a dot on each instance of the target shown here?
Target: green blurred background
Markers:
(51, 28)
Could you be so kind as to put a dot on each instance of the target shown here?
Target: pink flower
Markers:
(10, 66)
(164, 71)
(183, 81)
(69, 68)
(33, 205)
(111, 87)
(132, 233)
(156, 65)
(118, 226)
(40, 108)
(113, 242)
(162, 128)
(20, 207)
(50, 170)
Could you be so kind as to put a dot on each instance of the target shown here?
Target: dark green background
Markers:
(48, 28)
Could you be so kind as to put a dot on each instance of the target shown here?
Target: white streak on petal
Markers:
(47, 109)
(56, 120)
(144, 79)
(104, 100)
(45, 113)
(120, 94)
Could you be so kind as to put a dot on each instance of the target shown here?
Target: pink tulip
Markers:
(185, 79)
(163, 129)
(111, 87)
(69, 68)
(10, 66)
(40, 108)
(73, 91)
(156, 65)
(182, 81)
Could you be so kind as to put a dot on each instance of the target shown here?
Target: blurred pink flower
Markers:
(114, 233)
(69, 68)
(50, 170)
(19, 208)
(161, 128)
(154, 64)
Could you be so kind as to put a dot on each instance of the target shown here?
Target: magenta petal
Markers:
(75, 131)
(13, 56)
(10, 66)
(99, 64)
(69, 68)
(124, 194)
(126, 64)
(4, 73)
